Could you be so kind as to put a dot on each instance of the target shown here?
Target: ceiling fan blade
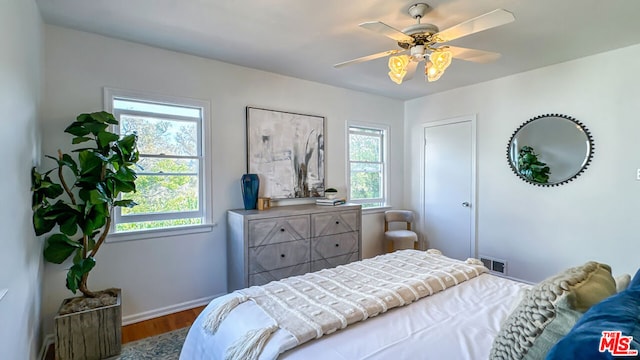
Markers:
(369, 57)
(388, 31)
(483, 22)
(473, 55)
(411, 70)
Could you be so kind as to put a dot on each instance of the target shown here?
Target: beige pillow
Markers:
(550, 309)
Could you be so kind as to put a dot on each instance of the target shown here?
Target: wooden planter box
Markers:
(89, 335)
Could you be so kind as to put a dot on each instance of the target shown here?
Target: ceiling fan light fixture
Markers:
(398, 68)
(422, 41)
(438, 62)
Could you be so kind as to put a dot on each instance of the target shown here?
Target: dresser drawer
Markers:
(277, 274)
(270, 257)
(334, 245)
(277, 230)
(268, 245)
(333, 261)
(334, 223)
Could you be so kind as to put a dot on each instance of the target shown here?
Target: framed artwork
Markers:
(286, 150)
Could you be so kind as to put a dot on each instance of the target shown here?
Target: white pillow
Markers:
(622, 282)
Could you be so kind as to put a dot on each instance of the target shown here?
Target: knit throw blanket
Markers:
(322, 302)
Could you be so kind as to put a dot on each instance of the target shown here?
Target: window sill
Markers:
(375, 210)
(157, 233)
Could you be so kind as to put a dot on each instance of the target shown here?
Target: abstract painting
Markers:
(286, 150)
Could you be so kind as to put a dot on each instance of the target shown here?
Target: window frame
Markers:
(204, 176)
(384, 200)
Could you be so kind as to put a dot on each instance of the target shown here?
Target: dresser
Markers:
(267, 245)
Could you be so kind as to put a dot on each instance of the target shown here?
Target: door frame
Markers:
(473, 248)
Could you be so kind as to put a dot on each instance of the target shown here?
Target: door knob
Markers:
(466, 204)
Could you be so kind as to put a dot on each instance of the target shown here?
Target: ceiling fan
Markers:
(422, 42)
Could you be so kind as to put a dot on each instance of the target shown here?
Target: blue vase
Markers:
(250, 185)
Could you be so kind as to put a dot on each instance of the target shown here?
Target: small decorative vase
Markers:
(250, 185)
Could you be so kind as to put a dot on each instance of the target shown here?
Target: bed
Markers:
(459, 322)
(423, 305)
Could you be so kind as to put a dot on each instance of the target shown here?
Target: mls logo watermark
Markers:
(617, 344)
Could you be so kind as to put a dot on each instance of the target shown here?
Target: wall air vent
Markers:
(494, 265)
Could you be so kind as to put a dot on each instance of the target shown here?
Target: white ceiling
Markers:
(303, 39)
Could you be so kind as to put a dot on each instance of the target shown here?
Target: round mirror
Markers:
(550, 150)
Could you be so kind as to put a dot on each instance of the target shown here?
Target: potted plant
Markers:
(530, 167)
(74, 208)
(330, 193)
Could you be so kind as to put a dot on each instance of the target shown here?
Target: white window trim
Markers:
(158, 233)
(205, 185)
(198, 213)
(385, 157)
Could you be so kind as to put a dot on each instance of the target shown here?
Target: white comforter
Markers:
(459, 323)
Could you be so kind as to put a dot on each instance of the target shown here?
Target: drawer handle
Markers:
(281, 255)
(282, 229)
(337, 222)
(337, 245)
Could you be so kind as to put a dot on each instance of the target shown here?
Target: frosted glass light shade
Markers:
(438, 62)
(398, 68)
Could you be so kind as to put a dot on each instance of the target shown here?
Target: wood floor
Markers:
(159, 325)
(152, 327)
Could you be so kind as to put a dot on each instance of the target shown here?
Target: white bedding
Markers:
(458, 323)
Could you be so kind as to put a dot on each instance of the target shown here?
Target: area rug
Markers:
(165, 346)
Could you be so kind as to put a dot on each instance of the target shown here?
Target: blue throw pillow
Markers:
(636, 280)
(618, 313)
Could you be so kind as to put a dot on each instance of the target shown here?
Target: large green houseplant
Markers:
(81, 197)
(73, 204)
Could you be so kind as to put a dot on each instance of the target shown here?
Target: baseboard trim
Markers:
(151, 314)
(512, 278)
(48, 341)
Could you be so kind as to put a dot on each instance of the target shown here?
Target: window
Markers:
(367, 173)
(170, 189)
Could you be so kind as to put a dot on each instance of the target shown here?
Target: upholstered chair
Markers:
(391, 236)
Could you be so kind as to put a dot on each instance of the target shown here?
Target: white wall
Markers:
(542, 230)
(158, 274)
(20, 257)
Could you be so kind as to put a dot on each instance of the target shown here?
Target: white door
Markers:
(449, 186)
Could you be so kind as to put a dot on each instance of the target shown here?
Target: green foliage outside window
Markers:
(365, 156)
(167, 183)
(365, 148)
